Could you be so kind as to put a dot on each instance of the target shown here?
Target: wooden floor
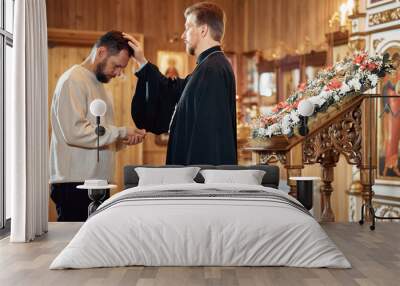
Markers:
(375, 257)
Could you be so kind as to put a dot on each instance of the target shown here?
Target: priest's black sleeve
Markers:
(155, 98)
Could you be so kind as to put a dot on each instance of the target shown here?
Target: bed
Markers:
(197, 224)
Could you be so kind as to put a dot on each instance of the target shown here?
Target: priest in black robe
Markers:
(199, 111)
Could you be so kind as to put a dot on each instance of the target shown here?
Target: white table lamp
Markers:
(98, 108)
(306, 109)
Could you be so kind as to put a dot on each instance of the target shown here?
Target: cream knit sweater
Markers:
(73, 154)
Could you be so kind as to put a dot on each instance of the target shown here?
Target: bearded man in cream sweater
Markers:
(73, 153)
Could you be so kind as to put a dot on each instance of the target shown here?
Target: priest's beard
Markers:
(190, 50)
(100, 75)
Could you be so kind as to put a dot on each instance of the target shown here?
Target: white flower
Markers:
(317, 100)
(261, 132)
(373, 78)
(286, 124)
(268, 132)
(294, 116)
(339, 67)
(286, 131)
(344, 88)
(286, 119)
(325, 94)
(268, 113)
(274, 128)
(355, 84)
(336, 97)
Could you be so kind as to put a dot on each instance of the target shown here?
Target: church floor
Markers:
(375, 257)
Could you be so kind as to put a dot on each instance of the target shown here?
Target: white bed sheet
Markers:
(200, 232)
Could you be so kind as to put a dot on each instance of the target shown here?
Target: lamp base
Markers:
(303, 128)
(100, 130)
(367, 207)
(97, 196)
(305, 193)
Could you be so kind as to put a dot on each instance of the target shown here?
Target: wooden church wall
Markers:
(289, 24)
(159, 21)
(251, 24)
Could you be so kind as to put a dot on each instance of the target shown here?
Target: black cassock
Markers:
(203, 127)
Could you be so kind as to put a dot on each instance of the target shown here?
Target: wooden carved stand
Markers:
(348, 129)
(367, 209)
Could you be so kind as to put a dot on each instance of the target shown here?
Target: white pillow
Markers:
(166, 176)
(248, 177)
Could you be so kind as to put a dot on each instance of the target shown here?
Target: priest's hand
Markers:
(134, 136)
(137, 47)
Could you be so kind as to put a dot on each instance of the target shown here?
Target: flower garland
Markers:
(352, 75)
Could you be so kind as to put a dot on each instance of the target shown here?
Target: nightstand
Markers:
(98, 191)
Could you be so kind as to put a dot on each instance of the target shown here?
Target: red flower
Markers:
(302, 87)
(334, 84)
(292, 106)
(372, 66)
(359, 59)
(283, 104)
(280, 105)
(268, 120)
(264, 120)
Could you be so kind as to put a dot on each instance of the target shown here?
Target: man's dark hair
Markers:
(211, 15)
(115, 42)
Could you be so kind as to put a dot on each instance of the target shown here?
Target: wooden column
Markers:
(294, 165)
(255, 158)
(328, 163)
(368, 151)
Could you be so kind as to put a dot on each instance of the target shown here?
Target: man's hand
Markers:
(134, 136)
(137, 47)
(132, 140)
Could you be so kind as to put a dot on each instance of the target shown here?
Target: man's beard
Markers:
(100, 75)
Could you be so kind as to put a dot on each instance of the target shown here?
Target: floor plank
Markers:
(374, 255)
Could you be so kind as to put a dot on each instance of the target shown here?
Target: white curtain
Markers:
(28, 153)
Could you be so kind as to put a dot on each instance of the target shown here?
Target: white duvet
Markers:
(200, 231)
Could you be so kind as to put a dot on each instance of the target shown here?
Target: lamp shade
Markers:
(305, 108)
(98, 107)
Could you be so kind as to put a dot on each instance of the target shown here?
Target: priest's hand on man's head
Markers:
(137, 47)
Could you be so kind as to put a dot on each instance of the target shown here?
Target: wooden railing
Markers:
(347, 129)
